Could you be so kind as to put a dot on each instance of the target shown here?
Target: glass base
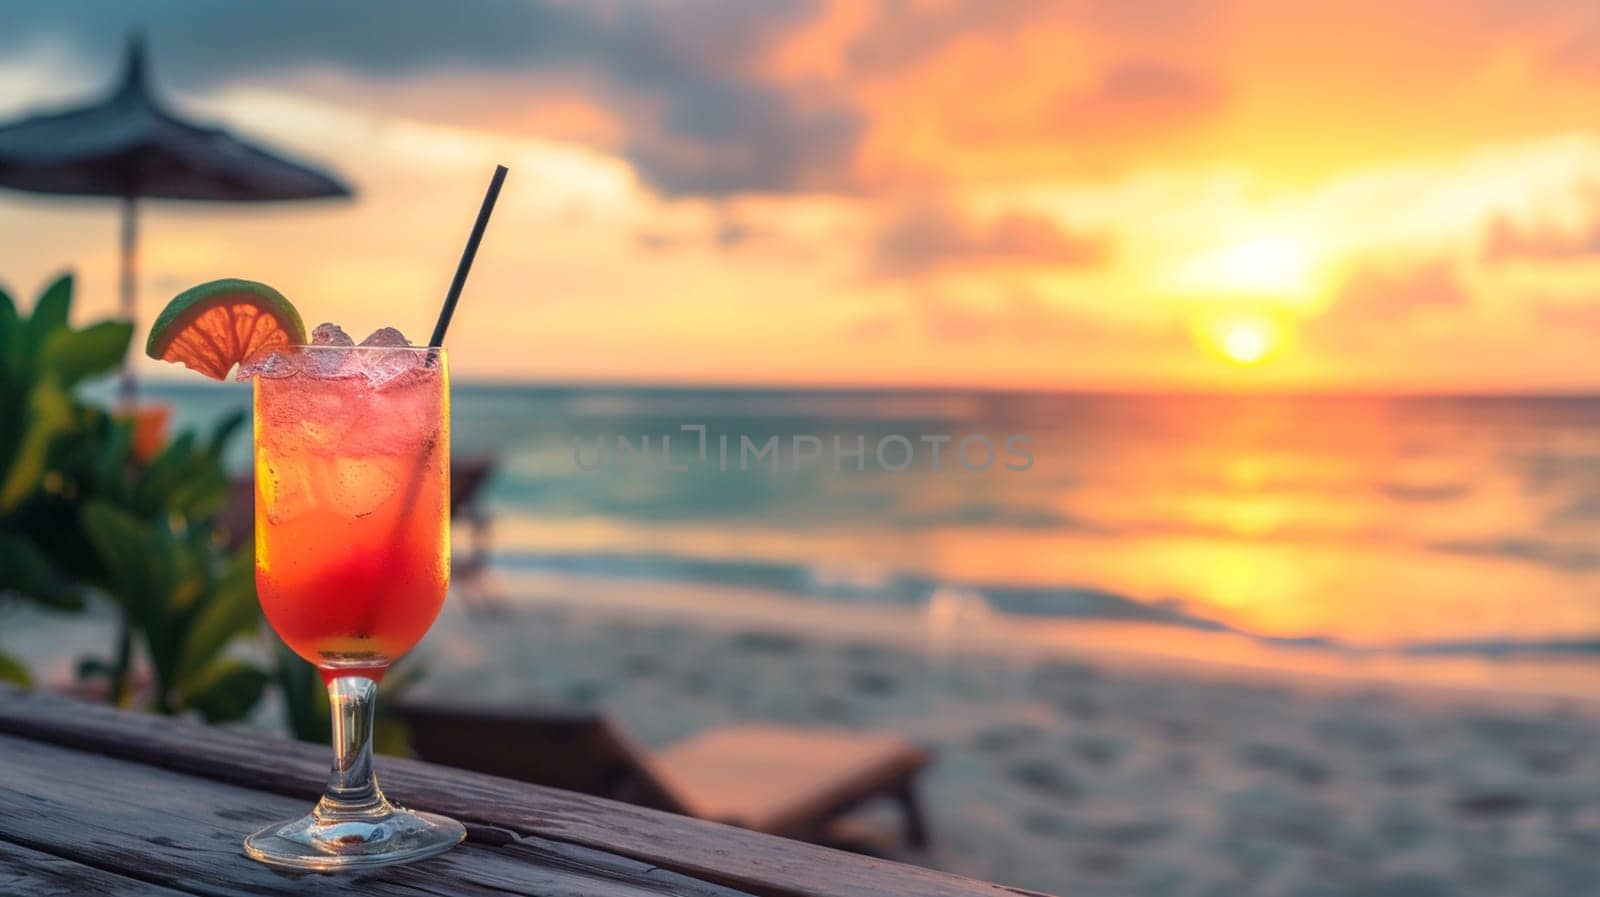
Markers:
(381, 836)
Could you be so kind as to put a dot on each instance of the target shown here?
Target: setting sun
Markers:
(1243, 339)
(1245, 343)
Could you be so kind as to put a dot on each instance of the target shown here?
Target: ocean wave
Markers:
(1560, 556)
(824, 583)
(1054, 601)
(1584, 648)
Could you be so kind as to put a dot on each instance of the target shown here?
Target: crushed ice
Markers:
(378, 368)
(385, 336)
(329, 334)
(272, 364)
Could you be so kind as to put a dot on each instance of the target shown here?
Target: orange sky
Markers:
(1168, 194)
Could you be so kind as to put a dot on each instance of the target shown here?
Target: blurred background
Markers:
(1293, 309)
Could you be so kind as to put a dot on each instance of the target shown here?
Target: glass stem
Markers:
(352, 785)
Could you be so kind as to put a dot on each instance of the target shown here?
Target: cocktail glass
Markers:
(352, 469)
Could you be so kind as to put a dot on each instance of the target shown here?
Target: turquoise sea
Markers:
(1350, 526)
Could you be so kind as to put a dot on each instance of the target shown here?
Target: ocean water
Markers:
(1330, 526)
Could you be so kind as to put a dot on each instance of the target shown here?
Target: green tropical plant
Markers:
(48, 437)
(155, 531)
(186, 602)
(80, 513)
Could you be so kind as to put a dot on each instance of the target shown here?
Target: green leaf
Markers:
(24, 569)
(75, 355)
(201, 492)
(12, 670)
(229, 612)
(119, 538)
(49, 416)
(50, 312)
(224, 430)
(11, 335)
(223, 691)
(166, 472)
(139, 569)
(104, 467)
(16, 369)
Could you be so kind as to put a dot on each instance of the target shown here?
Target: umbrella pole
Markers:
(128, 388)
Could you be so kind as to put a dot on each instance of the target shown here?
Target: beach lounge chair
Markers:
(786, 781)
(468, 475)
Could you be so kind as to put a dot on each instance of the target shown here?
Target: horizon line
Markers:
(775, 386)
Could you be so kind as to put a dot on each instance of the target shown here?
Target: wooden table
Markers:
(95, 801)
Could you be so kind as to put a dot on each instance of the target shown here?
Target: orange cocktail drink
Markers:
(352, 459)
(352, 481)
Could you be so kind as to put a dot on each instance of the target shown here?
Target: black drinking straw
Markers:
(370, 623)
(467, 254)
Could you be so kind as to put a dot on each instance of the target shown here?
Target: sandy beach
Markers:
(1092, 777)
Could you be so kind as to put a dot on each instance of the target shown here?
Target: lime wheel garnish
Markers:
(214, 326)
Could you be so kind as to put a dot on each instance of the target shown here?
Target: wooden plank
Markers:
(38, 874)
(182, 834)
(758, 864)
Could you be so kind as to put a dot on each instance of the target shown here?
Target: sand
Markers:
(1084, 777)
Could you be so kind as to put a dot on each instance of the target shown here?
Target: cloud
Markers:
(1130, 102)
(1018, 317)
(700, 117)
(705, 98)
(929, 237)
(1010, 316)
(1566, 32)
(1402, 291)
(1382, 298)
(725, 139)
(900, 35)
(634, 42)
(655, 240)
(1505, 241)
(1146, 92)
(1565, 557)
(727, 230)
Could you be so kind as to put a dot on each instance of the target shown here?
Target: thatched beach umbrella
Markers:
(129, 145)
